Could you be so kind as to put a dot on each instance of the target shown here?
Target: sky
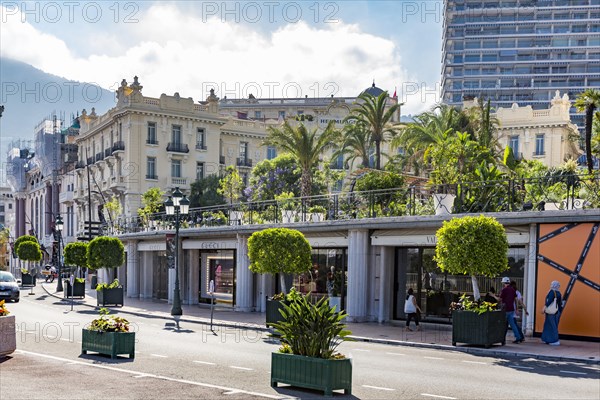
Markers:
(265, 48)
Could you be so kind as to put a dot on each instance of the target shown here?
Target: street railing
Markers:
(511, 195)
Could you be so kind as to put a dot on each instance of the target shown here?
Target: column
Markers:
(386, 282)
(358, 252)
(133, 271)
(267, 288)
(146, 275)
(529, 281)
(244, 288)
(193, 276)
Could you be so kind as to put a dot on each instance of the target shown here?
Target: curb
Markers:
(470, 350)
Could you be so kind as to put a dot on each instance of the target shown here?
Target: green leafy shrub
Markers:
(114, 284)
(311, 330)
(105, 252)
(76, 254)
(479, 306)
(22, 239)
(29, 251)
(472, 246)
(109, 324)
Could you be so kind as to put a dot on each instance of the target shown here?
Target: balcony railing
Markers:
(565, 192)
(90, 160)
(107, 152)
(99, 156)
(154, 177)
(178, 147)
(118, 146)
(244, 162)
(80, 164)
(151, 141)
(200, 147)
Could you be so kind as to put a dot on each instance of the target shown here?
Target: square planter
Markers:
(312, 373)
(8, 335)
(108, 343)
(27, 280)
(273, 314)
(78, 289)
(479, 329)
(110, 297)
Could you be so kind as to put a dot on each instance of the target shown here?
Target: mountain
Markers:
(30, 95)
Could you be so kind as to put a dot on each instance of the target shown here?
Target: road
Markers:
(193, 362)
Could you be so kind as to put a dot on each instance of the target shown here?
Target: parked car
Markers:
(9, 288)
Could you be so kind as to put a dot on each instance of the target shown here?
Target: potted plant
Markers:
(75, 253)
(106, 252)
(77, 290)
(28, 250)
(108, 335)
(288, 206)
(109, 293)
(317, 213)
(477, 322)
(8, 333)
(278, 251)
(473, 246)
(310, 334)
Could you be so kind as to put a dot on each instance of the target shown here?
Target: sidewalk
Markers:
(434, 336)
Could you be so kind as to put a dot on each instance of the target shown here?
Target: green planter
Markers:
(479, 329)
(108, 343)
(273, 314)
(78, 289)
(312, 373)
(27, 280)
(110, 297)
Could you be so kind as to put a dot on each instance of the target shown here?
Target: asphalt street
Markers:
(194, 362)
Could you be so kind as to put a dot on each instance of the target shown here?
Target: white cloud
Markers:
(175, 51)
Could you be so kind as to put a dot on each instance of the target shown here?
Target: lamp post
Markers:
(58, 224)
(178, 205)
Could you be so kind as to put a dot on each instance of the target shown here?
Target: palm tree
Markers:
(356, 144)
(484, 126)
(588, 101)
(306, 147)
(374, 114)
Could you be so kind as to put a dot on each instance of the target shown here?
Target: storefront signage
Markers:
(431, 240)
(209, 245)
(152, 246)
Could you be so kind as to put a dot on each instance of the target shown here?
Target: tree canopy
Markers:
(29, 251)
(76, 254)
(105, 252)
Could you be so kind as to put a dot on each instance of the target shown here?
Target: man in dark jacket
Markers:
(507, 297)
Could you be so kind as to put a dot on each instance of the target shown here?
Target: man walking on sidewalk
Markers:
(507, 297)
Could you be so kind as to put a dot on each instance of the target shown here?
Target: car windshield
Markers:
(6, 277)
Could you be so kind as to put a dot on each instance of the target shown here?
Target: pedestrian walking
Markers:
(519, 305)
(507, 297)
(552, 309)
(412, 310)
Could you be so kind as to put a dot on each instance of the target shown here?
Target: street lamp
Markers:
(177, 204)
(58, 224)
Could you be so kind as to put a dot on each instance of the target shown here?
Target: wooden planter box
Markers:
(312, 373)
(112, 297)
(8, 335)
(78, 289)
(479, 329)
(27, 280)
(108, 343)
(273, 314)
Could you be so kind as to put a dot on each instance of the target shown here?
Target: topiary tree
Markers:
(24, 238)
(76, 254)
(29, 251)
(279, 250)
(472, 246)
(105, 252)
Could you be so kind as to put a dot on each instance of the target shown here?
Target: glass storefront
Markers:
(327, 278)
(434, 289)
(219, 267)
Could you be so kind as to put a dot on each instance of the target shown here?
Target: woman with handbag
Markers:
(552, 309)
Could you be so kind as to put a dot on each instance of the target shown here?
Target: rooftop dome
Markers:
(373, 90)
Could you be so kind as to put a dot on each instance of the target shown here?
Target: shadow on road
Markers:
(302, 393)
(98, 358)
(562, 369)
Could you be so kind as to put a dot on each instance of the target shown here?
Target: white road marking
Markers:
(438, 396)
(138, 373)
(204, 362)
(244, 368)
(474, 362)
(378, 388)
(144, 376)
(396, 354)
(434, 358)
(573, 372)
(520, 367)
(365, 350)
(65, 340)
(158, 355)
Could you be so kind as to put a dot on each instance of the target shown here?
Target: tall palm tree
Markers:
(356, 144)
(376, 116)
(484, 126)
(588, 101)
(304, 145)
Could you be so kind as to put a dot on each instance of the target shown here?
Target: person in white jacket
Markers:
(412, 310)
